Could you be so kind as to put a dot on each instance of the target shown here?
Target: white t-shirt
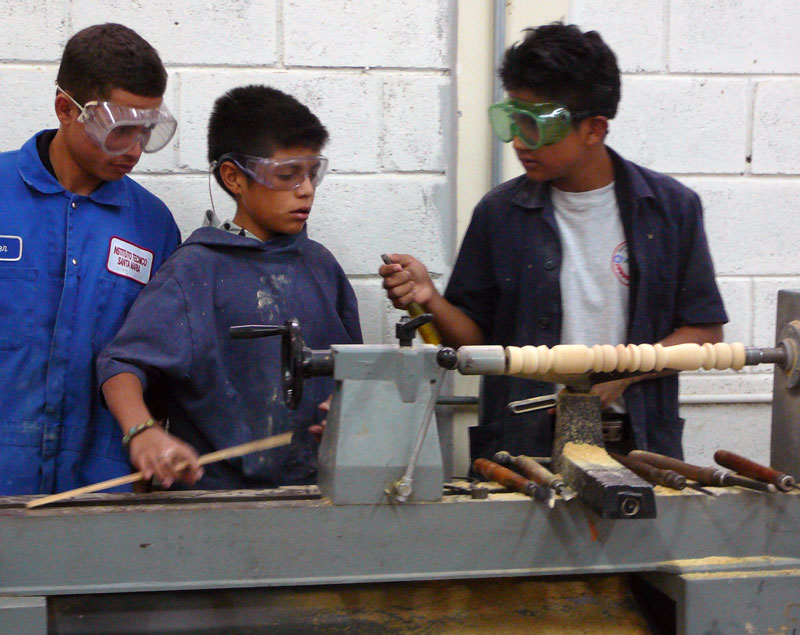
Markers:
(594, 275)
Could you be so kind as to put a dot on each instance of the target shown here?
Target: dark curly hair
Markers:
(563, 64)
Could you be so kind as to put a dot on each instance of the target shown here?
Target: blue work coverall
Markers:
(70, 268)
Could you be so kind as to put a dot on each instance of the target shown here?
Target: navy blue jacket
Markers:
(64, 296)
(506, 278)
(220, 392)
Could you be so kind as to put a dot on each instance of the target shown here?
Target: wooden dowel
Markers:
(567, 359)
(212, 457)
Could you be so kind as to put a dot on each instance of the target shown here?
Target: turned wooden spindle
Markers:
(575, 359)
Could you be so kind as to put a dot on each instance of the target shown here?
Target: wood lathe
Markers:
(380, 513)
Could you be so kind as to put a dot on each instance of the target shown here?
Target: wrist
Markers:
(629, 381)
(138, 429)
(432, 297)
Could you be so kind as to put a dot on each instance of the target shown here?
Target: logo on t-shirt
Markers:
(619, 263)
(129, 260)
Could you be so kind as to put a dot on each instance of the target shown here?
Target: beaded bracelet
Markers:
(138, 428)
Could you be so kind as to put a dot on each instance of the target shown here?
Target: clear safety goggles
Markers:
(117, 129)
(536, 125)
(288, 174)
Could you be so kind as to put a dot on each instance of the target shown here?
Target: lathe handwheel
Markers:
(789, 338)
(292, 363)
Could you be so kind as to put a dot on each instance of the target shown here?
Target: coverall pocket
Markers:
(20, 457)
(115, 300)
(17, 297)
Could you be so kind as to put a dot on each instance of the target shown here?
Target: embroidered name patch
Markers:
(10, 248)
(129, 260)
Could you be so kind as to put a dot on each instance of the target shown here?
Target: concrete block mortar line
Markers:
(751, 293)
(665, 38)
(750, 176)
(27, 62)
(726, 398)
(750, 125)
(279, 34)
(734, 277)
(344, 70)
(710, 75)
(748, 280)
(176, 96)
(770, 277)
(68, 12)
(16, 65)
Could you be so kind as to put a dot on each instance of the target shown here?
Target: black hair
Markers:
(257, 120)
(100, 58)
(560, 62)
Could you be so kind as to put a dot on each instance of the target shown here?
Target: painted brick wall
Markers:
(710, 95)
(378, 74)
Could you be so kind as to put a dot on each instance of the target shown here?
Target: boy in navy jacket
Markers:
(584, 248)
(258, 268)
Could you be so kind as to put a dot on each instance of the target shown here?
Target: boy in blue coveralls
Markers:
(79, 241)
(584, 248)
(258, 268)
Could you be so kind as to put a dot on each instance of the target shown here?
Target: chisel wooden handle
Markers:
(650, 473)
(504, 476)
(538, 473)
(703, 475)
(531, 468)
(746, 467)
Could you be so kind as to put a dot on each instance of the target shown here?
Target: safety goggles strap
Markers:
(84, 113)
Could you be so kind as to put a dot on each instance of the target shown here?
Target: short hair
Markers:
(100, 58)
(257, 120)
(563, 64)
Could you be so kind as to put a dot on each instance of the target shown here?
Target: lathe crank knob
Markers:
(293, 354)
(405, 329)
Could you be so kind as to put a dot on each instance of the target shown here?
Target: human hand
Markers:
(610, 391)
(318, 429)
(156, 453)
(406, 280)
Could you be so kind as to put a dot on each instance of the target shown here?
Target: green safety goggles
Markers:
(536, 125)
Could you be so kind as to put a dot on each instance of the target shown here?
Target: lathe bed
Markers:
(738, 542)
(729, 562)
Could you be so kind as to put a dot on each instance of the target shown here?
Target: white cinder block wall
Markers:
(710, 95)
(377, 73)
(711, 92)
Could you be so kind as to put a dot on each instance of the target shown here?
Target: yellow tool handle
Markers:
(428, 331)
